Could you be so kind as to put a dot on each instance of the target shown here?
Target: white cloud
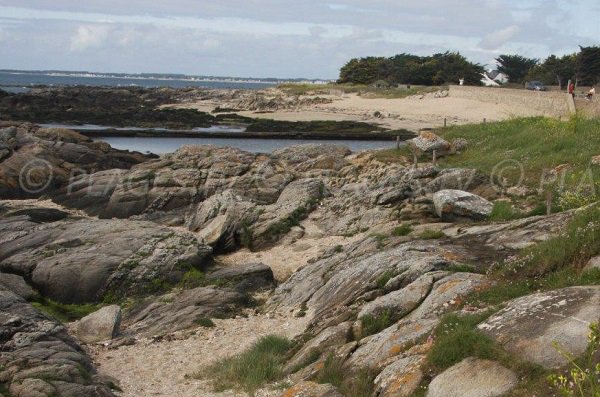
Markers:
(89, 36)
(494, 40)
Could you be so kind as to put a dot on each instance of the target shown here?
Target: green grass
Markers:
(65, 312)
(462, 268)
(429, 234)
(402, 230)
(371, 325)
(504, 211)
(193, 278)
(457, 338)
(522, 150)
(524, 147)
(248, 371)
(332, 371)
(362, 89)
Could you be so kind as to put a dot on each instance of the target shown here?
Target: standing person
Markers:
(591, 93)
(572, 89)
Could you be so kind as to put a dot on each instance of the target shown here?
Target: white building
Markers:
(493, 78)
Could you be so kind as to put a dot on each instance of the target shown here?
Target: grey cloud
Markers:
(496, 39)
(282, 38)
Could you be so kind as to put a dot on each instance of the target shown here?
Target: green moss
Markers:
(65, 312)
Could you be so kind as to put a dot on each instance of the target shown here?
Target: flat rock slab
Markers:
(473, 378)
(529, 325)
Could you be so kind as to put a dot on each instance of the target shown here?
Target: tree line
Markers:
(582, 67)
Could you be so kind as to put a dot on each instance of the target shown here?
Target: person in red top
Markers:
(572, 89)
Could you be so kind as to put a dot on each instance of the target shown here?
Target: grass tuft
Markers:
(429, 234)
(350, 383)
(374, 324)
(402, 230)
(248, 371)
(204, 322)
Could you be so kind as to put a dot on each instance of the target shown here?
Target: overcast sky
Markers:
(285, 38)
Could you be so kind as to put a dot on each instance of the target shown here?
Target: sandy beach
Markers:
(412, 113)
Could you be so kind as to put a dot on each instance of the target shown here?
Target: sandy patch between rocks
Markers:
(151, 368)
(289, 255)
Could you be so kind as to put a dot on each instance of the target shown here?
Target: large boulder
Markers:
(529, 326)
(473, 378)
(88, 260)
(99, 326)
(39, 358)
(451, 204)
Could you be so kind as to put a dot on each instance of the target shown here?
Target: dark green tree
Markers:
(363, 70)
(442, 68)
(555, 70)
(515, 67)
(588, 65)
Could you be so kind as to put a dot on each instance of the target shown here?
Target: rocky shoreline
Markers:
(152, 241)
(146, 109)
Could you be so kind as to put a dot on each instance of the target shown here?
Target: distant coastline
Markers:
(158, 77)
